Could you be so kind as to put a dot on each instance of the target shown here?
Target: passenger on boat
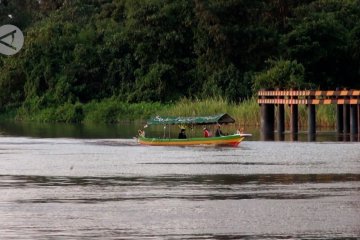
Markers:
(182, 134)
(218, 132)
(239, 130)
(141, 133)
(206, 132)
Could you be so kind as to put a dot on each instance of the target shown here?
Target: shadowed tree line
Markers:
(79, 51)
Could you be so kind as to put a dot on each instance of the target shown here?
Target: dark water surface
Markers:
(66, 188)
(129, 130)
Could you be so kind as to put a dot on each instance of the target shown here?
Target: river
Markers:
(54, 185)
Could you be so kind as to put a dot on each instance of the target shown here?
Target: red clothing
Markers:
(206, 133)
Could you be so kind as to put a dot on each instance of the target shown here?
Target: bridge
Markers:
(347, 111)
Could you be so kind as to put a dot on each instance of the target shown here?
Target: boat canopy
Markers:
(220, 118)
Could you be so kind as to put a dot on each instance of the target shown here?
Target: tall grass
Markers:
(247, 112)
(106, 111)
(187, 107)
(325, 115)
(68, 113)
(114, 111)
(8, 113)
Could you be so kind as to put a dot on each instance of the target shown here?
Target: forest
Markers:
(78, 52)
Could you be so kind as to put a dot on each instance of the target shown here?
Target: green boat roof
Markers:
(220, 118)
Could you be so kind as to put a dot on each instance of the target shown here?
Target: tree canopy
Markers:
(163, 50)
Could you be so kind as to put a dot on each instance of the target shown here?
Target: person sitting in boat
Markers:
(207, 133)
(218, 132)
(239, 131)
(141, 133)
(182, 134)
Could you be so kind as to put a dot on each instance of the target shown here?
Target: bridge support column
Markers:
(267, 122)
(311, 122)
(358, 120)
(281, 120)
(339, 118)
(346, 118)
(294, 121)
(353, 122)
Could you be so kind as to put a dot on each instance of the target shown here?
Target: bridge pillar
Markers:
(358, 120)
(346, 118)
(267, 122)
(311, 122)
(339, 118)
(353, 121)
(358, 117)
(280, 119)
(347, 110)
(294, 121)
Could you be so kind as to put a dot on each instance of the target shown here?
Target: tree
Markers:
(283, 74)
(156, 50)
(161, 40)
(21, 13)
(320, 39)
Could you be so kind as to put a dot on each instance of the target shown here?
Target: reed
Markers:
(107, 111)
(114, 111)
(197, 107)
(246, 113)
(8, 113)
(325, 116)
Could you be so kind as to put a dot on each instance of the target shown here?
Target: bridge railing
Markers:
(309, 97)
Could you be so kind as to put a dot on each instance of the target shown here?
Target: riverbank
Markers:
(113, 111)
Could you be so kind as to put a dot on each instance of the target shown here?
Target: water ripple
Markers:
(225, 179)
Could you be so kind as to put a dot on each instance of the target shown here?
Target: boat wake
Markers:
(114, 142)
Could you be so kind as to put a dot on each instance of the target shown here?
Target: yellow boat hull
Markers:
(229, 140)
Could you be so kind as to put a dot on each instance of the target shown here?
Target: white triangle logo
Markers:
(11, 39)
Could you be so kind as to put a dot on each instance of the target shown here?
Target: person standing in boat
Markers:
(182, 134)
(218, 132)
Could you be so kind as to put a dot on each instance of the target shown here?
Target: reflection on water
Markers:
(62, 130)
(129, 129)
(115, 189)
(167, 181)
(201, 187)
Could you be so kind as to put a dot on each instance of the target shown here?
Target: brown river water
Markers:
(77, 183)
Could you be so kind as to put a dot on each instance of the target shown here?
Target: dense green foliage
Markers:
(111, 110)
(106, 111)
(79, 53)
(286, 74)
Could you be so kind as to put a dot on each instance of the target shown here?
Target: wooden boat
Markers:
(225, 140)
(228, 140)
